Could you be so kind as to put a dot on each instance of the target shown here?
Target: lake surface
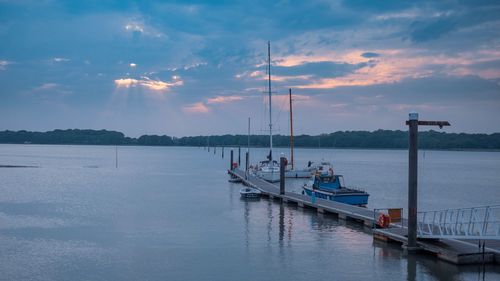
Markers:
(169, 213)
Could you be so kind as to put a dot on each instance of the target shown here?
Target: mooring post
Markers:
(239, 156)
(215, 149)
(231, 161)
(412, 181)
(413, 124)
(282, 175)
(246, 164)
(222, 152)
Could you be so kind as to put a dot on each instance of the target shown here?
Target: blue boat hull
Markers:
(359, 198)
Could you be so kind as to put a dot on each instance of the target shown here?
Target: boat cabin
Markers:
(328, 181)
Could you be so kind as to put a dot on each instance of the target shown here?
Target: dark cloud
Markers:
(378, 6)
(462, 16)
(323, 69)
(422, 32)
(370, 55)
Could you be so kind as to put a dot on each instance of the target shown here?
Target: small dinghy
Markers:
(250, 192)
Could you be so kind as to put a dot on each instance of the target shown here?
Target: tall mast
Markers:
(291, 128)
(248, 138)
(270, 106)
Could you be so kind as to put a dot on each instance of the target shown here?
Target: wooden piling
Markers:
(239, 156)
(231, 161)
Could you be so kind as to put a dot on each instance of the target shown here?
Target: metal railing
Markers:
(467, 223)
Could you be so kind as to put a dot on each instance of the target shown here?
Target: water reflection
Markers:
(281, 224)
(418, 266)
(272, 224)
(246, 216)
(411, 267)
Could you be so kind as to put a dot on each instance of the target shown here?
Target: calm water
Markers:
(169, 214)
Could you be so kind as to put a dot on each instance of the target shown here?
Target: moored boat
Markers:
(326, 185)
(291, 171)
(250, 192)
(269, 169)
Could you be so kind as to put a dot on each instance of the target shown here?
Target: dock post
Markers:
(282, 175)
(246, 164)
(222, 152)
(214, 149)
(231, 161)
(412, 181)
(413, 124)
(239, 156)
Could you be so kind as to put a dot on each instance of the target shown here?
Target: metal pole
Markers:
(291, 129)
(231, 161)
(214, 149)
(270, 104)
(222, 152)
(239, 156)
(248, 138)
(246, 163)
(412, 181)
(282, 175)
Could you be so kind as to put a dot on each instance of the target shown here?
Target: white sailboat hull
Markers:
(270, 176)
(298, 173)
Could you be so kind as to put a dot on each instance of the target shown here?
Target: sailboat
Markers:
(269, 169)
(290, 171)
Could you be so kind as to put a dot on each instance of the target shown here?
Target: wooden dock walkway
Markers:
(451, 250)
(344, 211)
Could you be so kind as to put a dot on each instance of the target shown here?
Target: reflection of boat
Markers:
(325, 184)
(250, 192)
(269, 169)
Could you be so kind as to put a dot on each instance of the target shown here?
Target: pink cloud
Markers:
(391, 66)
(198, 107)
(224, 99)
(150, 84)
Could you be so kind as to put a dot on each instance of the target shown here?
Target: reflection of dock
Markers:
(451, 250)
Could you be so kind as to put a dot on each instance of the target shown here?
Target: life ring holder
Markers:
(383, 220)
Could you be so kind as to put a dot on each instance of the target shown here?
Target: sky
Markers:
(185, 68)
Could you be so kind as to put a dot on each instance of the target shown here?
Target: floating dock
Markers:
(451, 250)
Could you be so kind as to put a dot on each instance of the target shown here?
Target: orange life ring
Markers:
(383, 220)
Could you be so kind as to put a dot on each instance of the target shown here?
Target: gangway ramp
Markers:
(476, 223)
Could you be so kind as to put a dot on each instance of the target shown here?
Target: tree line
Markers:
(342, 139)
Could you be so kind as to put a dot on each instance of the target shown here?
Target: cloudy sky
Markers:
(198, 67)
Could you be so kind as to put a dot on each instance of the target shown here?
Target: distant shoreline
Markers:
(379, 139)
(262, 147)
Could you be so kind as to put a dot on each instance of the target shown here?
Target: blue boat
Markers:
(325, 184)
